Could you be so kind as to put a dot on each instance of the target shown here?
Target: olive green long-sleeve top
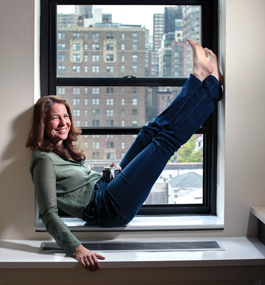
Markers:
(65, 184)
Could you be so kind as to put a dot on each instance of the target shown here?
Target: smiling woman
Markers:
(53, 124)
(57, 124)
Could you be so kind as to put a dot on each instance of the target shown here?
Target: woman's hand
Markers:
(115, 165)
(88, 258)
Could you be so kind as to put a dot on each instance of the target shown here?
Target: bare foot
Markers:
(212, 58)
(202, 67)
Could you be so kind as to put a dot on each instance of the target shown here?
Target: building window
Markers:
(95, 46)
(85, 101)
(135, 36)
(61, 90)
(122, 101)
(122, 69)
(76, 68)
(61, 36)
(110, 68)
(109, 123)
(95, 57)
(134, 57)
(134, 68)
(95, 90)
(109, 113)
(95, 68)
(122, 46)
(76, 46)
(61, 46)
(122, 36)
(76, 35)
(95, 145)
(109, 90)
(61, 57)
(76, 90)
(95, 123)
(134, 47)
(109, 57)
(95, 36)
(95, 101)
(134, 101)
(110, 46)
(109, 36)
(61, 68)
(76, 101)
(134, 90)
(86, 58)
(110, 144)
(122, 58)
(109, 102)
(95, 112)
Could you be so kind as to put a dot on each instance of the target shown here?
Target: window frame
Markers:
(49, 82)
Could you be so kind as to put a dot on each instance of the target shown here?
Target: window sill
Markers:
(151, 223)
(238, 251)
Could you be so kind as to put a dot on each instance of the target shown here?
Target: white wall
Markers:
(241, 180)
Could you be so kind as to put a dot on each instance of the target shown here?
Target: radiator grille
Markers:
(139, 246)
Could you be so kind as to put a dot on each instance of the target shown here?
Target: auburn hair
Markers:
(38, 140)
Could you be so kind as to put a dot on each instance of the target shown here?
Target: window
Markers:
(134, 68)
(95, 68)
(76, 68)
(61, 57)
(134, 58)
(76, 57)
(95, 46)
(110, 46)
(135, 36)
(134, 47)
(95, 36)
(109, 57)
(109, 68)
(76, 46)
(70, 50)
(95, 57)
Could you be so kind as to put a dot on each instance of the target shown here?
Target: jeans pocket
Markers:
(90, 220)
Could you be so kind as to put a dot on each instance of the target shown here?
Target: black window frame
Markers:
(49, 82)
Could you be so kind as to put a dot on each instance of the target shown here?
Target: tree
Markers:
(187, 152)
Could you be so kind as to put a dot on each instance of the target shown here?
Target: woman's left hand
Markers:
(88, 258)
(115, 165)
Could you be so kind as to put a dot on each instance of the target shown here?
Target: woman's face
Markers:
(57, 124)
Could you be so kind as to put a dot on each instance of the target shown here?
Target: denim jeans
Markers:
(115, 203)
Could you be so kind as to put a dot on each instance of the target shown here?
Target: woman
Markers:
(62, 180)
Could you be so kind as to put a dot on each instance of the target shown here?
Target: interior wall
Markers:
(241, 141)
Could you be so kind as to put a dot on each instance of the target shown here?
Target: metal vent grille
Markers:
(139, 246)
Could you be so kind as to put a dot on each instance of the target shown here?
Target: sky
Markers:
(137, 15)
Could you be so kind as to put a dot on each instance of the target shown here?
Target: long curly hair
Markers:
(38, 140)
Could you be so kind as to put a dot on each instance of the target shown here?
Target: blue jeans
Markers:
(115, 203)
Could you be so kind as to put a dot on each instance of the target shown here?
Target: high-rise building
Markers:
(84, 10)
(170, 15)
(103, 51)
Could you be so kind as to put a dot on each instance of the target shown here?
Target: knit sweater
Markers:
(65, 184)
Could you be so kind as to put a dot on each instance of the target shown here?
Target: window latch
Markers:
(129, 76)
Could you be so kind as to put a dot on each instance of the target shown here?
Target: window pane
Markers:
(132, 106)
(153, 45)
(179, 183)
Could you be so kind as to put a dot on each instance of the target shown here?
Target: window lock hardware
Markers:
(129, 76)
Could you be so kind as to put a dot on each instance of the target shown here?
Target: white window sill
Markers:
(238, 251)
(146, 223)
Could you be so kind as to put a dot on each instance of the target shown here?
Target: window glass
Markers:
(156, 42)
